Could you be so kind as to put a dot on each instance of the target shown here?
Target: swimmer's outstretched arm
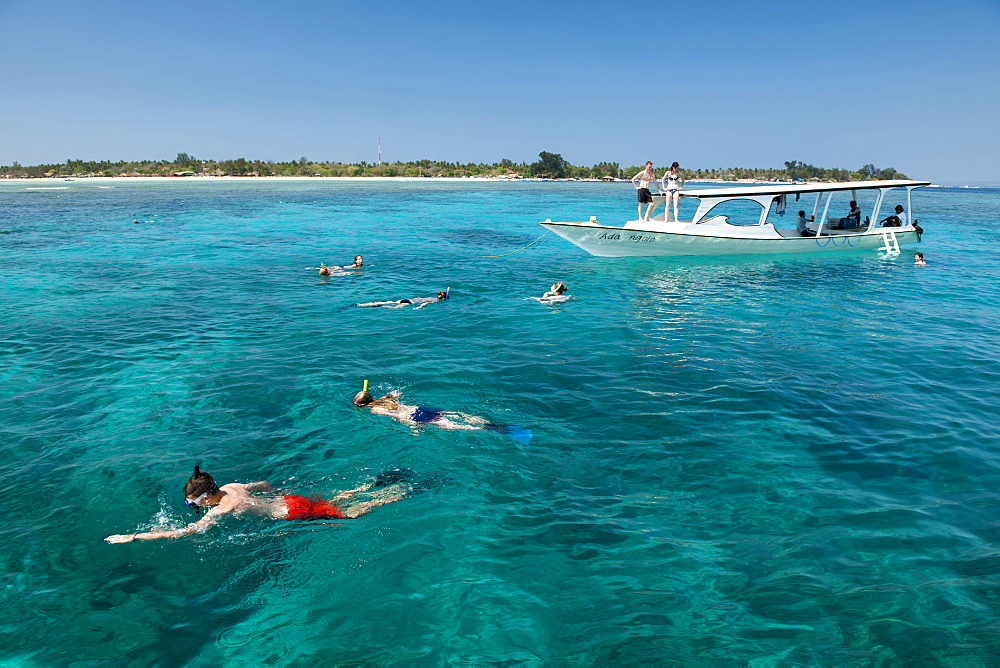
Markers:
(195, 527)
(395, 394)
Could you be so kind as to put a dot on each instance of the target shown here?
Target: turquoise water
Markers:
(765, 461)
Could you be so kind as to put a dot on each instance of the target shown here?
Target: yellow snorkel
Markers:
(365, 388)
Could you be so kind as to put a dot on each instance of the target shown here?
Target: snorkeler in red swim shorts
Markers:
(235, 498)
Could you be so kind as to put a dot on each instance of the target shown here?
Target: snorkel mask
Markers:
(197, 502)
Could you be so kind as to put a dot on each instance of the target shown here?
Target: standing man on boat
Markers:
(641, 182)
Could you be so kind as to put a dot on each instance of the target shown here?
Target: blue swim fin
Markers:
(519, 435)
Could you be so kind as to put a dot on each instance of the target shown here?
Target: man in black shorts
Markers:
(641, 182)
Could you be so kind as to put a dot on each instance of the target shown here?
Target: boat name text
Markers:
(634, 238)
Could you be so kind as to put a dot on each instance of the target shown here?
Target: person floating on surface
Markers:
(918, 260)
(555, 295)
(201, 491)
(419, 302)
(641, 182)
(418, 416)
(329, 271)
(557, 290)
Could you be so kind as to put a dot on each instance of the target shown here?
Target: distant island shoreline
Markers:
(551, 166)
(405, 179)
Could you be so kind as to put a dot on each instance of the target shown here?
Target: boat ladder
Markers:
(891, 242)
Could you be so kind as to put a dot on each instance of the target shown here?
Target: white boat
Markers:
(752, 220)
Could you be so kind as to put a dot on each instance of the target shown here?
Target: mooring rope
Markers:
(501, 255)
(520, 249)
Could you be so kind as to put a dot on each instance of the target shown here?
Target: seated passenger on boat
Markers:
(896, 220)
(802, 225)
(852, 219)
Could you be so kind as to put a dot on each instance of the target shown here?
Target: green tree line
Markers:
(548, 165)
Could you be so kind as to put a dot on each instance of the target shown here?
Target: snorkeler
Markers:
(419, 302)
(234, 498)
(417, 416)
(328, 271)
(555, 295)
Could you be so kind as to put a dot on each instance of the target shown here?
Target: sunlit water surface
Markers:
(774, 461)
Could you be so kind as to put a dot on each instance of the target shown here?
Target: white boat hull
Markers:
(619, 242)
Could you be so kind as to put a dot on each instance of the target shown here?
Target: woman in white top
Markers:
(895, 220)
(673, 182)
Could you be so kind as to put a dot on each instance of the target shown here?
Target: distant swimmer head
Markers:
(362, 399)
(324, 271)
(558, 288)
(358, 260)
(199, 487)
(442, 295)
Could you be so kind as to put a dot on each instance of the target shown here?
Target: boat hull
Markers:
(618, 242)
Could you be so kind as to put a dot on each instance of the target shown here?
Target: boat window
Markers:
(840, 206)
(787, 217)
(738, 211)
(892, 198)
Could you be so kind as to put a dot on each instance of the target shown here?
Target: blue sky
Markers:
(912, 85)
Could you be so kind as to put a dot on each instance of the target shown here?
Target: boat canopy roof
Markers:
(793, 188)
